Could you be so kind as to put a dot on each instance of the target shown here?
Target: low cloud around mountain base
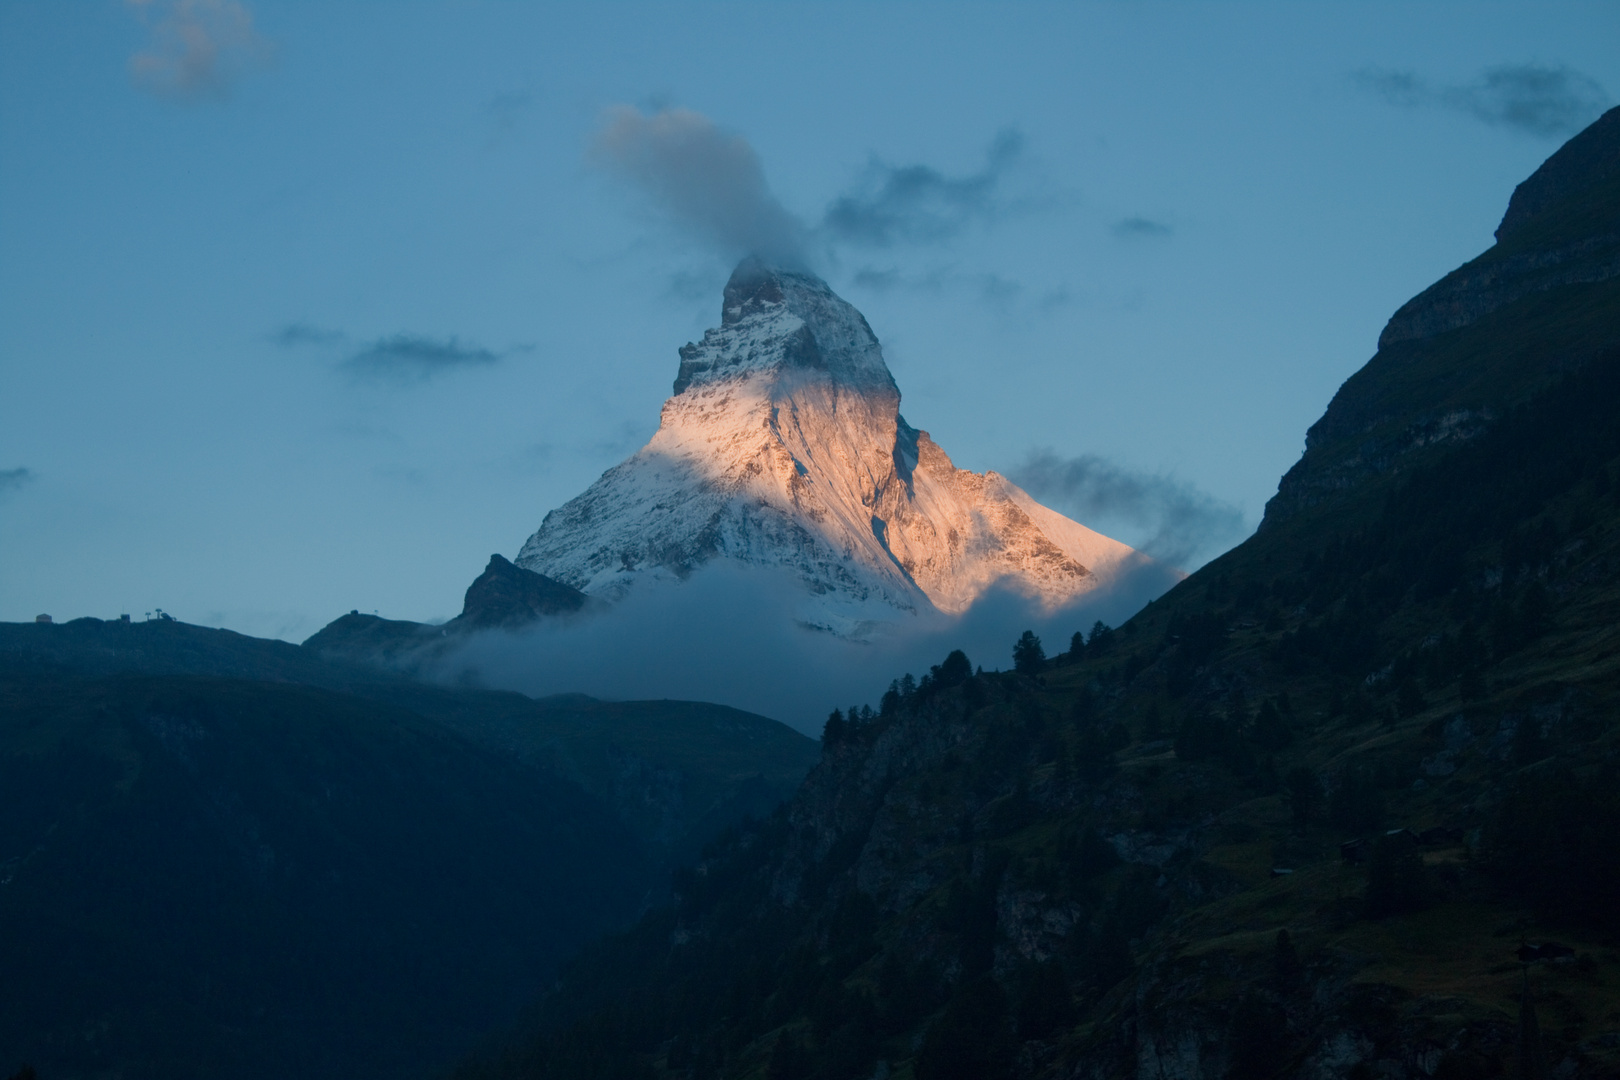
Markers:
(730, 635)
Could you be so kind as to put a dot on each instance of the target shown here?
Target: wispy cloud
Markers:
(296, 335)
(13, 479)
(408, 358)
(1178, 523)
(1536, 99)
(1399, 88)
(627, 436)
(919, 203)
(1005, 296)
(871, 277)
(709, 181)
(1140, 228)
(398, 358)
(197, 48)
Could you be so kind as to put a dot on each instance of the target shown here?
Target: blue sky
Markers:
(310, 307)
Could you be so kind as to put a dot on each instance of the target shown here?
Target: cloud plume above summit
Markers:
(708, 180)
(711, 184)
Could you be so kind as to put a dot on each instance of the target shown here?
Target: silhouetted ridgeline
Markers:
(1341, 804)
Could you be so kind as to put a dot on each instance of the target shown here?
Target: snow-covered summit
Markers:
(789, 322)
(783, 447)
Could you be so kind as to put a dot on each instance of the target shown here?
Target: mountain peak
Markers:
(776, 321)
(755, 285)
(783, 448)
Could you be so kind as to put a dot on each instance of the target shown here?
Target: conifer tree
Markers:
(1028, 656)
(1077, 646)
(891, 699)
(955, 670)
(833, 733)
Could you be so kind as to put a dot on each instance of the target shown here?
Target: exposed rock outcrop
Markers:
(506, 595)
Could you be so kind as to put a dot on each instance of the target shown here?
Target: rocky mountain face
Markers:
(1486, 336)
(783, 447)
(1546, 239)
(1340, 805)
(505, 595)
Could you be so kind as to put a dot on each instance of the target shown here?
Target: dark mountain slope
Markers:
(1543, 300)
(1314, 813)
(674, 772)
(212, 877)
(222, 856)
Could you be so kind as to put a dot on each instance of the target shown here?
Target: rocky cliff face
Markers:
(783, 447)
(1543, 300)
(1546, 239)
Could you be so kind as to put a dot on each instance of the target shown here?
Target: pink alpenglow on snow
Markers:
(783, 447)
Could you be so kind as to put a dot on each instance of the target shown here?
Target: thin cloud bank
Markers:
(1182, 525)
(13, 479)
(398, 358)
(414, 358)
(990, 287)
(1140, 228)
(918, 203)
(729, 635)
(1540, 100)
(709, 181)
(296, 335)
(1002, 295)
(197, 49)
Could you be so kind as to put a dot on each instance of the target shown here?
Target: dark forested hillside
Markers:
(674, 772)
(210, 877)
(1342, 804)
(221, 856)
